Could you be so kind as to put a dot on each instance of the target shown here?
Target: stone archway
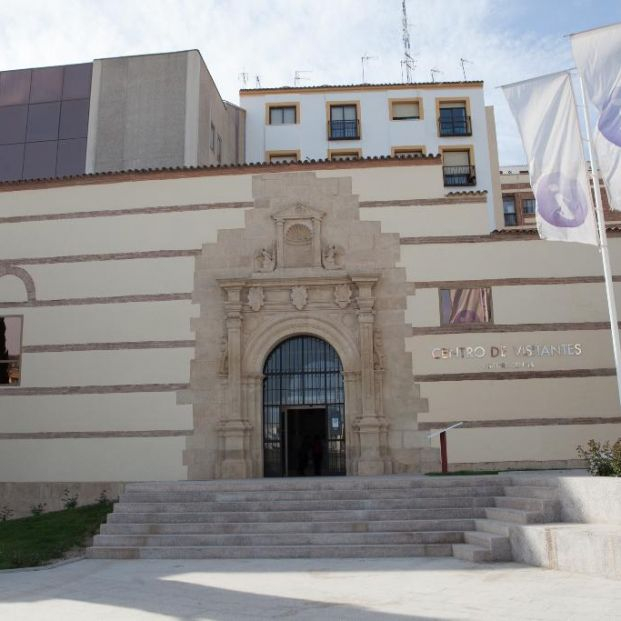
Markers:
(304, 263)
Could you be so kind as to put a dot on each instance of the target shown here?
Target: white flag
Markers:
(598, 58)
(545, 112)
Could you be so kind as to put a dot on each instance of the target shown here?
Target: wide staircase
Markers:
(308, 517)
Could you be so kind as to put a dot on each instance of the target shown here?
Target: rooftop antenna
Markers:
(364, 59)
(243, 78)
(257, 81)
(463, 62)
(297, 76)
(408, 63)
(433, 74)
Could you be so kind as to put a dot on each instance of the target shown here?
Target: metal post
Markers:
(443, 453)
(603, 243)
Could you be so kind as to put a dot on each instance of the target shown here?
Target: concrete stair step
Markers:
(319, 483)
(515, 516)
(493, 526)
(550, 509)
(304, 505)
(531, 491)
(472, 553)
(296, 516)
(310, 495)
(314, 551)
(287, 527)
(498, 545)
(280, 539)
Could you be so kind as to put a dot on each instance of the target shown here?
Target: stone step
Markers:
(531, 491)
(550, 509)
(515, 516)
(319, 483)
(493, 526)
(472, 553)
(314, 551)
(280, 539)
(498, 545)
(304, 505)
(296, 516)
(286, 527)
(290, 495)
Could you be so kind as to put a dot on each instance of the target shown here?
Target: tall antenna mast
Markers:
(463, 62)
(365, 59)
(407, 64)
(297, 76)
(433, 74)
(257, 81)
(243, 78)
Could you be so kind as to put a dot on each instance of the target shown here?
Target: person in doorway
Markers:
(317, 455)
(305, 447)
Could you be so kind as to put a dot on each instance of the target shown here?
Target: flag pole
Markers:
(603, 241)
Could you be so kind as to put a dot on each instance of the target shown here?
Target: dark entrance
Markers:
(303, 410)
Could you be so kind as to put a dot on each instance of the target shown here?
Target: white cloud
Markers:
(274, 38)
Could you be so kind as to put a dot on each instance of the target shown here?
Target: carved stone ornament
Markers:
(265, 260)
(256, 299)
(223, 367)
(299, 297)
(329, 258)
(342, 295)
(378, 350)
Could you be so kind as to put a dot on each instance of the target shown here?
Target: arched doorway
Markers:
(303, 409)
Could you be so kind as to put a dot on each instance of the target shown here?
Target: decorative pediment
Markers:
(298, 211)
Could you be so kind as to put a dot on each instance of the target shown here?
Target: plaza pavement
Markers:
(422, 589)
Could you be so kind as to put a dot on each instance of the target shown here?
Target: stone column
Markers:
(316, 242)
(232, 427)
(369, 425)
(280, 243)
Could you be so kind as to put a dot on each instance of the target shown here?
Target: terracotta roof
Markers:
(181, 171)
(467, 192)
(381, 85)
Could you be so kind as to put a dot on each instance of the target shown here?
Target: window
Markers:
(10, 349)
(528, 206)
(465, 306)
(283, 115)
(282, 157)
(403, 110)
(407, 151)
(212, 137)
(457, 168)
(343, 154)
(453, 118)
(219, 151)
(344, 123)
(508, 208)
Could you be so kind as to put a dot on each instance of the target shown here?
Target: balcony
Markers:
(344, 130)
(456, 126)
(459, 175)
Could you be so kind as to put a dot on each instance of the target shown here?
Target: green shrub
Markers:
(604, 460)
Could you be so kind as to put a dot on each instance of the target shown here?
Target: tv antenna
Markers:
(463, 62)
(433, 74)
(243, 78)
(257, 81)
(365, 59)
(297, 76)
(408, 63)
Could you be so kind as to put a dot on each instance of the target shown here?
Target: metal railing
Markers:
(459, 175)
(344, 130)
(459, 126)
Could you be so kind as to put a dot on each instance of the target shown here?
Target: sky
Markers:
(503, 40)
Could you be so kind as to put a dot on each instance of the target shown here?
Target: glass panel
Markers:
(337, 113)
(14, 87)
(10, 349)
(508, 204)
(71, 158)
(465, 305)
(276, 116)
(74, 119)
(288, 115)
(47, 84)
(77, 82)
(40, 160)
(11, 162)
(349, 113)
(43, 120)
(13, 124)
(528, 206)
